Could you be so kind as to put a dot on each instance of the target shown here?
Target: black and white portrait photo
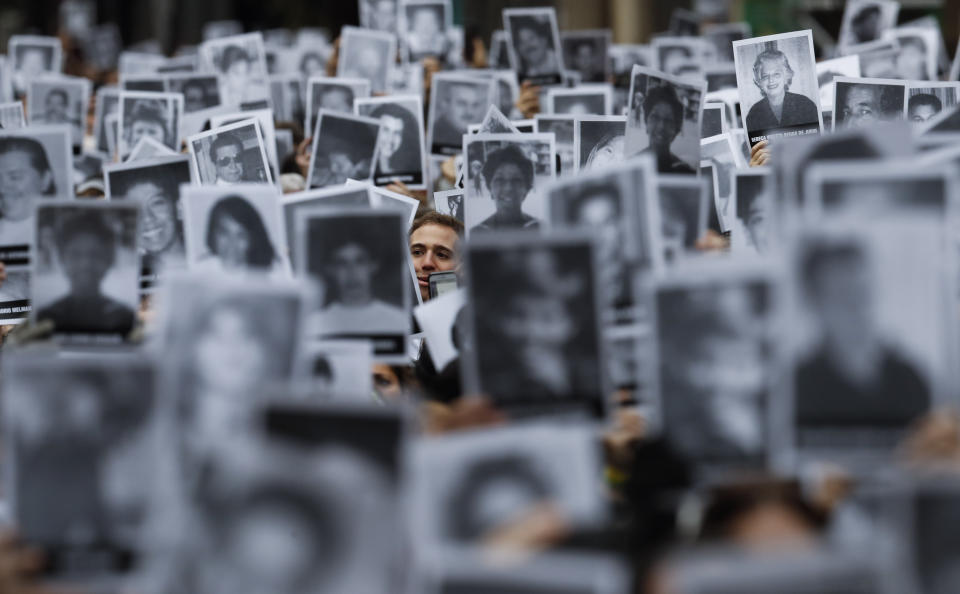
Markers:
(32, 56)
(334, 94)
(755, 224)
(867, 102)
(682, 207)
(919, 52)
(59, 100)
(154, 186)
(583, 100)
(266, 125)
(777, 80)
(927, 99)
(456, 102)
(449, 202)
(561, 126)
(87, 425)
(297, 205)
(107, 102)
(157, 115)
(233, 154)
(36, 163)
(504, 178)
(344, 147)
(425, 28)
(828, 70)
(86, 270)
(714, 122)
(705, 325)
(500, 57)
(598, 141)
(401, 155)
(200, 91)
(148, 148)
(664, 120)
(468, 484)
(11, 116)
(237, 230)
(359, 258)
(229, 342)
(672, 55)
(586, 53)
(339, 370)
(536, 323)
(604, 204)
(535, 43)
(288, 97)
(871, 358)
(867, 20)
(379, 15)
(368, 55)
(241, 63)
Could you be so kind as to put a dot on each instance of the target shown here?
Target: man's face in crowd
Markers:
(464, 107)
(141, 128)
(773, 79)
(922, 112)
(56, 105)
(663, 127)
(531, 46)
(19, 182)
(861, 106)
(86, 260)
(352, 269)
(433, 248)
(391, 135)
(229, 165)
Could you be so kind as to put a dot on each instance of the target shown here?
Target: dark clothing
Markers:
(491, 224)
(97, 314)
(445, 134)
(670, 164)
(797, 111)
(824, 397)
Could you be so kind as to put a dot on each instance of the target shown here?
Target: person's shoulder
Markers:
(113, 309)
(55, 309)
(758, 109)
(801, 100)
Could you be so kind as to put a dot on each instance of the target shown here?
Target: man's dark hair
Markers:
(194, 83)
(262, 253)
(232, 53)
(663, 94)
(927, 99)
(36, 153)
(86, 223)
(508, 155)
(540, 27)
(225, 139)
(433, 217)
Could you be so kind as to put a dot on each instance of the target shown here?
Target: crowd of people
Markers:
(292, 312)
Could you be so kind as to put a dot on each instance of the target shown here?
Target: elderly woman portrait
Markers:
(237, 239)
(663, 119)
(509, 175)
(25, 174)
(779, 108)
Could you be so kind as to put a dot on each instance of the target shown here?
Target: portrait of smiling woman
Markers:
(233, 237)
(508, 174)
(25, 174)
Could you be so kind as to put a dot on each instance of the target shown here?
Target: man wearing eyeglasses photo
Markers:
(227, 154)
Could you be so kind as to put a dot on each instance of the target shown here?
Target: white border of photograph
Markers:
(177, 101)
(418, 114)
(551, 79)
(593, 89)
(7, 111)
(360, 87)
(227, 128)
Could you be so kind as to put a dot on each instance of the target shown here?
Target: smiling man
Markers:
(227, 151)
(434, 247)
